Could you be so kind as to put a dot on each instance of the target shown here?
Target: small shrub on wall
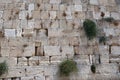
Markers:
(102, 39)
(93, 68)
(67, 67)
(90, 29)
(108, 19)
(3, 68)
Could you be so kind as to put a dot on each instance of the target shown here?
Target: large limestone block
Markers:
(44, 60)
(34, 61)
(6, 1)
(29, 50)
(115, 50)
(23, 24)
(15, 51)
(16, 72)
(33, 71)
(53, 14)
(83, 69)
(115, 15)
(104, 54)
(83, 59)
(68, 15)
(39, 77)
(36, 14)
(94, 2)
(44, 15)
(22, 15)
(52, 50)
(5, 51)
(22, 61)
(108, 68)
(56, 59)
(53, 41)
(109, 31)
(104, 50)
(67, 50)
(8, 24)
(31, 7)
(54, 24)
(55, 1)
(55, 32)
(78, 7)
(27, 78)
(10, 33)
(103, 2)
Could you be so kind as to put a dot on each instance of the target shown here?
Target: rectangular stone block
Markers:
(10, 33)
(22, 61)
(55, 32)
(22, 15)
(5, 51)
(78, 7)
(115, 50)
(83, 59)
(55, 1)
(29, 50)
(94, 2)
(44, 60)
(67, 50)
(52, 50)
(108, 68)
(34, 61)
(33, 71)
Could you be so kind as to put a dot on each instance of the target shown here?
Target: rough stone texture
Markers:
(37, 35)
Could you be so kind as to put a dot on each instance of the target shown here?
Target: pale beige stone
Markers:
(36, 14)
(22, 61)
(34, 61)
(52, 50)
(115, 50)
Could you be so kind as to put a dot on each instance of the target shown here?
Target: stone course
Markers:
(37, 35)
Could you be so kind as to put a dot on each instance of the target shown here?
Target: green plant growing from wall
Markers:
(3, 68)
(93, 68)
(90, 29)
(108, 19)
(67, 66)
(102, 39)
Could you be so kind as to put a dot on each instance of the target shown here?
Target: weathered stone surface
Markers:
(94, 2)
(115, 50)
(67, 51)
(107, 68)
(33, 71)
(34, 61)
(52, 50)
(22, 61)
(10, 33)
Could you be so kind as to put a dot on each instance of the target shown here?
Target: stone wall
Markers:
(36, 35)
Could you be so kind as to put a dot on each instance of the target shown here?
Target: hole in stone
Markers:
(38, 5)
(64, 14)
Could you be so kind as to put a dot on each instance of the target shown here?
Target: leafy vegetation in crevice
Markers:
(93, 68)
(108, 19)
(3, 68)
(67, 67)
(90, 29)
(102, 39)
